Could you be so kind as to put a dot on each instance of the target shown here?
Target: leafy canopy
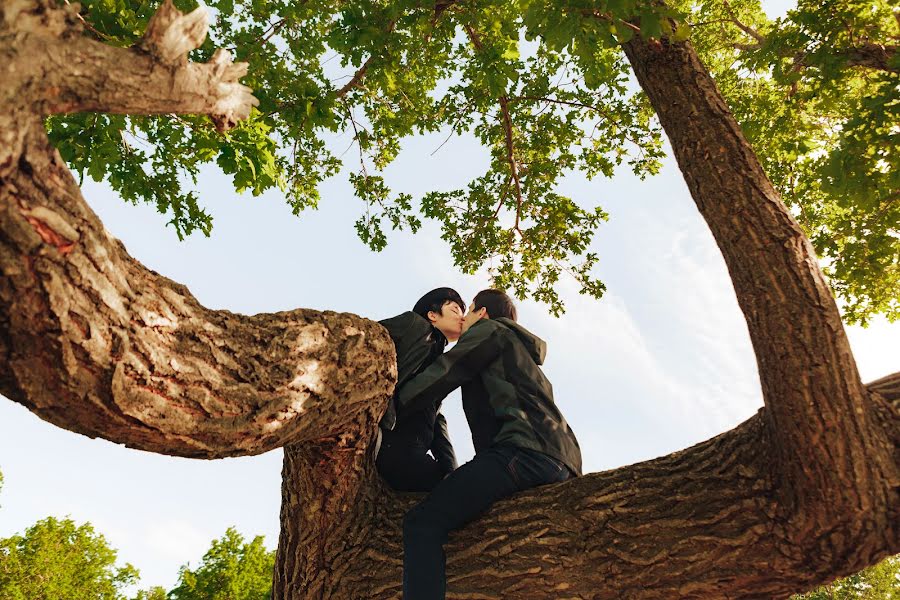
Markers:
(545, 87)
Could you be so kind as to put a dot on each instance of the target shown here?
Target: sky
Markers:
(661, 362)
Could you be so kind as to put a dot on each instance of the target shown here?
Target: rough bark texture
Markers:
(805, 491)
(702, 523)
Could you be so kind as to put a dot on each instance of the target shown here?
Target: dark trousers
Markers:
(408, 468)
(467, 492)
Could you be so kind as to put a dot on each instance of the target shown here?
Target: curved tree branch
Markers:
(832, 461)
(94, 342)
(888, 387)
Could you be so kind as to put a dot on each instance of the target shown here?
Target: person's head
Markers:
(489, 304)
(443, 308)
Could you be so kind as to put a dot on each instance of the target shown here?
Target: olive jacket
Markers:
(506, 397)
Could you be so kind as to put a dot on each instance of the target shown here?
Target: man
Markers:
(420, 337)
(521, 439)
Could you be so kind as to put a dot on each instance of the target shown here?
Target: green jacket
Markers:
(506, 397)
(418, 344)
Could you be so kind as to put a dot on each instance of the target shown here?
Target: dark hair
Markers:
(497, 303)
(435, 300)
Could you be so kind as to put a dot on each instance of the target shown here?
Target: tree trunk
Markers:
(805, 491)
(837, 473)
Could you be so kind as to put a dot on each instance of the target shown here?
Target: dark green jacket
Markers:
(418, 344)
(507, 398)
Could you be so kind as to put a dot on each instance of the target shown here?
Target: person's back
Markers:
(511, 403)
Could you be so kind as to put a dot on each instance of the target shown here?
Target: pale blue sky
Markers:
(662, 362)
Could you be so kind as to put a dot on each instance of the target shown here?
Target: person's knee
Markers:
(420, 523)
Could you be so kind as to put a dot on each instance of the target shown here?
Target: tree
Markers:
(154, 593)
(803, 492)
(57, 560)
(231, 570)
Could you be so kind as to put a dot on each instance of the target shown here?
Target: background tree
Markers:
(231, 569)
(803, 492)
(154, 593)
(58, 560)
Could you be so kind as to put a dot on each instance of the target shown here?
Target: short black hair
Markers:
(435, 300)
(497, 303)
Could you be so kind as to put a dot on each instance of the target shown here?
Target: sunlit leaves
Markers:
(825, 126)
(541, 84)
(379, 207)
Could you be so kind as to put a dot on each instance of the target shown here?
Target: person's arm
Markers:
(441, 448)
(408, 332)
(477, 347)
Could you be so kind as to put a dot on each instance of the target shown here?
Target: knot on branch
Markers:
(45, 16)
(171, 34)
(233, 100)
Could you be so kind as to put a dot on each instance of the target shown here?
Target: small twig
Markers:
(745, 28)
(88, 25)
(264, 37)
(503, 196)
(362, 161)
(453, 128)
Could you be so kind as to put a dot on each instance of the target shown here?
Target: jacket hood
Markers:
(536, 347)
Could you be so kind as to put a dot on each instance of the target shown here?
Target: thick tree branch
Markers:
(872, 56)
(701, 523)
(869, 55)
(888, 387)
(833, 458)
(92, 341)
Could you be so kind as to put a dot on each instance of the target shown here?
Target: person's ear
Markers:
(433, 316)
(482, 313)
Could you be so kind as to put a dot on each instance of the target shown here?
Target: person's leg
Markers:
(408, 469)
(459, 498)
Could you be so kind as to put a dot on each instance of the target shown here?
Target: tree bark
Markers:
(705, 522)
(835, 466)
(805, 491)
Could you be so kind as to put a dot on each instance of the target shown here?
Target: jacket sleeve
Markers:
(441, 448)
(476, 349)
(408, 331)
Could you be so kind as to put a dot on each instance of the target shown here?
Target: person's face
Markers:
(472, 317)
(449, 321)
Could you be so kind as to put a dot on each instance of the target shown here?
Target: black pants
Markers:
(467, 492)
(409, 468)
